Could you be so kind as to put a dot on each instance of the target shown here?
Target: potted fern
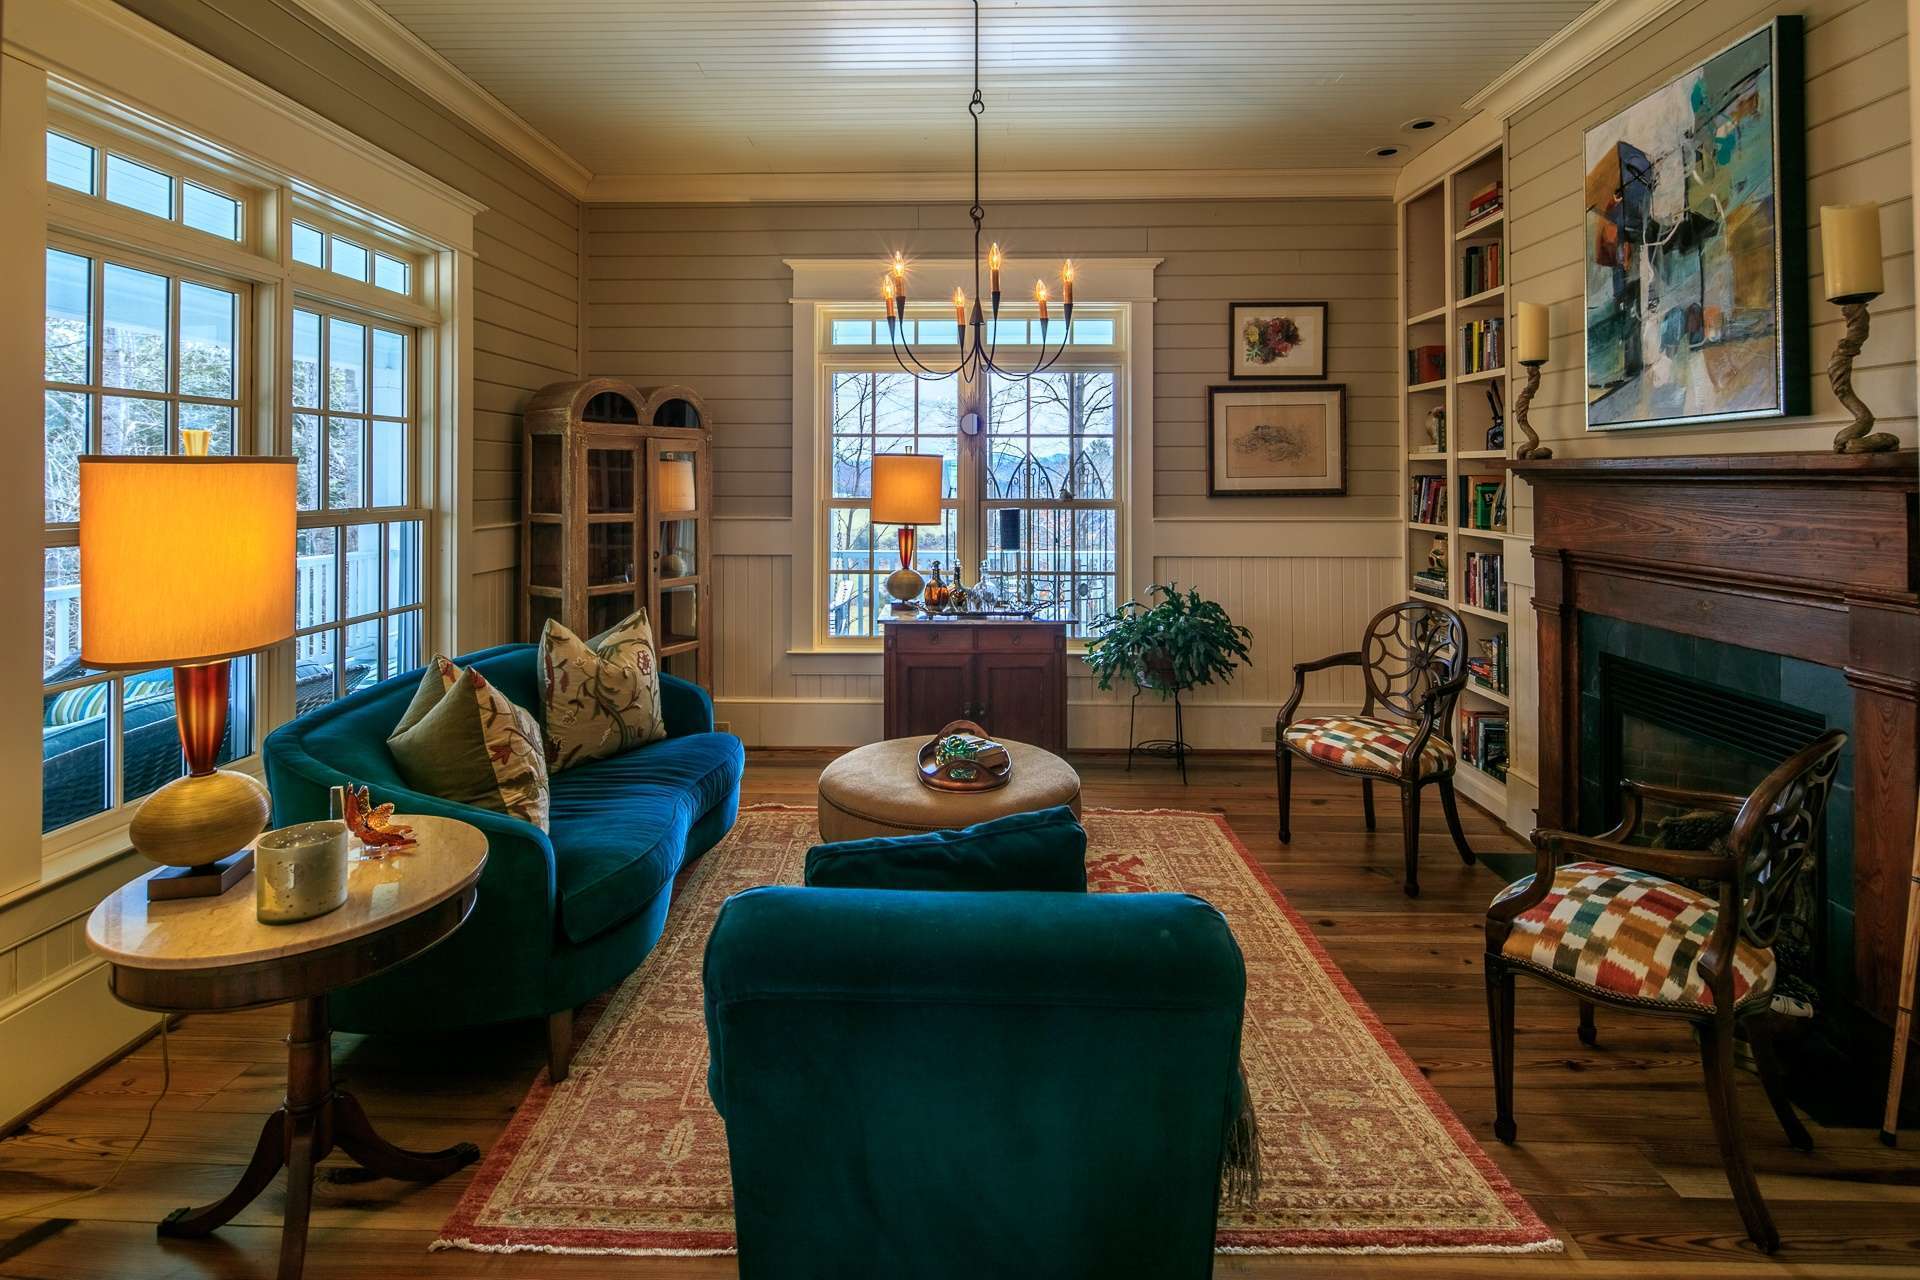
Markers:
(1174, 642)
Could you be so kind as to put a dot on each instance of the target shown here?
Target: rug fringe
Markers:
(444, 1245)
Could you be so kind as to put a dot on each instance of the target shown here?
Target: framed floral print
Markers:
(1277, 442)
(1276, 340)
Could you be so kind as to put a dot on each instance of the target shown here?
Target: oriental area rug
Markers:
(1358, 1153)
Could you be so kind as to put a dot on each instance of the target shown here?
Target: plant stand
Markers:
(1174, 748)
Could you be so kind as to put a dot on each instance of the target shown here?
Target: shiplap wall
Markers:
(527, 242)
(701, 295)
(1857, 148)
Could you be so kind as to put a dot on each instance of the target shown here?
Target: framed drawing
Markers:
(1277, 442)
(1696, 296)
(1276, 339)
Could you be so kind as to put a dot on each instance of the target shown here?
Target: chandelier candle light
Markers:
(978, 341)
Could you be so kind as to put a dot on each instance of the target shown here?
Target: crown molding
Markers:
(1023, 186)
(371, 30)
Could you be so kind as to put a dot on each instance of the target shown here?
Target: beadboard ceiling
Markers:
(815, 87)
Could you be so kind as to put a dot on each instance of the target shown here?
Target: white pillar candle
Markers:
(1850, 251)
(1533, 333)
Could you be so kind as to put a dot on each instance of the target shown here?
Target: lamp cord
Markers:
(166, 1083)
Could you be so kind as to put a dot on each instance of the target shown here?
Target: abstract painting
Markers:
(1695, 238)
(1277, 441)
(1277, 340)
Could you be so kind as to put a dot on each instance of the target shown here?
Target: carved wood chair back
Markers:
(1776, 836)
(1412, 652)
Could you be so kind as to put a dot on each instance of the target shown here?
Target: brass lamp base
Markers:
(904, 584)
(200, 825)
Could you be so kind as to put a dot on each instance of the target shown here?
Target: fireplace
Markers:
(1804, 571)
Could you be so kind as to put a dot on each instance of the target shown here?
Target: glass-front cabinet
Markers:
(616, 498)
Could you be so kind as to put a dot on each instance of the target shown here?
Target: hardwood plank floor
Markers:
(1615, 1152)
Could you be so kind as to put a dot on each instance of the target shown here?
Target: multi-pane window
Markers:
(344, 257)
(1032, 502)
(874, 413)
(358, 590)
(133, 184)
(134, 354)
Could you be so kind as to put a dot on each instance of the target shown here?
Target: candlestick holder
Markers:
(1530, 446)
(1857, 436)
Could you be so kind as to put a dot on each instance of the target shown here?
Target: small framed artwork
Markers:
(1277, 442)
(1276, 340)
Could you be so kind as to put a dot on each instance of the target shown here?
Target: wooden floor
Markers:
(1615, 1151)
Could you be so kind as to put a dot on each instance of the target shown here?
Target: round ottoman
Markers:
(876, 790)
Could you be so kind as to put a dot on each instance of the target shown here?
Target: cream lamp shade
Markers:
(184, 560)
(906, 488)
(673, 481)
(1850, 252)
(1532, 333)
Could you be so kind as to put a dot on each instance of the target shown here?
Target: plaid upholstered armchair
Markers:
(1414, 657)
(1621, 924)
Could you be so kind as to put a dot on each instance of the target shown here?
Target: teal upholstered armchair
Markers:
(961, 1084)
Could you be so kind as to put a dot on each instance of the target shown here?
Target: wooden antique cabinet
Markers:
(616, 497)
(1008, 677)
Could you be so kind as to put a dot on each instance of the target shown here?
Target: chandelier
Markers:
(978, 339)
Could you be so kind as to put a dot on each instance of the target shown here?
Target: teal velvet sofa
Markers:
(955, 1084)
(562, 914)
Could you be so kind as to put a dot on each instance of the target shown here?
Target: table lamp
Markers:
(188, 562)
(1531, 351)
(673, 489)
(1854, 276)
(906, 492)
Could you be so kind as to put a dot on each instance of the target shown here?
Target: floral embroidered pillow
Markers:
(463, 740)
(602, 695)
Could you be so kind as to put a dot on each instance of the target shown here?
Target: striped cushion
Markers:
(1629, 933)
(1362, 742)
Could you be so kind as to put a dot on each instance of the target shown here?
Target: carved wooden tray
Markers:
(989, 768)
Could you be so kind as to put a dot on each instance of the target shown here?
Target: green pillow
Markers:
(461, 739)
(1043, 850)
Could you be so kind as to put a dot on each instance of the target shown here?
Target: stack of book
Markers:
(1480, 269)
(1483, 583)
(1483, 502)
(1483, 741)
(1426, 364)
(1484, 203)
(1427, 500)
(1489, 670)
(1482, 345)
(1429, 581)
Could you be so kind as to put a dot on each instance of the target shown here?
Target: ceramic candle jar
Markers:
(300, 872)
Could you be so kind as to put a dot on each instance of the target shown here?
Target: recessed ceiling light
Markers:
(1420, 124)
(1383, 152)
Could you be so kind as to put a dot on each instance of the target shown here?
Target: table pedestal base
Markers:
(315, 1119)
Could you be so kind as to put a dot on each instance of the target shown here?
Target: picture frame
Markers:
(1269, 340)
(1695, 238)
(1277, 441)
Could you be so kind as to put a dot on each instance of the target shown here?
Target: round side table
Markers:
(199, 955)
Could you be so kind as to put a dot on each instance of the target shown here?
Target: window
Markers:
(136, 185)
(134, 354)
(358, 597)
(344, 257)
(1032, 502)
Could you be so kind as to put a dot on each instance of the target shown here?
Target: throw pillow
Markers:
(602, 695)
(1044, 850)
(461, 739)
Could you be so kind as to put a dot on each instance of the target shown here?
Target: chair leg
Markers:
(1452, 809)
(1766, 1057)
(1410, 825)
(1588, 1036)
(1500, 1024)
(1716, 1059)
(559, 1045)
(1366, 800)
(1283, 768)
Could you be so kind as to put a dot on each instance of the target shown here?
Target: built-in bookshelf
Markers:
(1456, 544)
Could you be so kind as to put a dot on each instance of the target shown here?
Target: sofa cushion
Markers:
(619, 825)
(602, 695)
(463, 740)
(1042, 850)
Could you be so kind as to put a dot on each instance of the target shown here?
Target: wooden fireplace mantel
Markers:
(1809, 555)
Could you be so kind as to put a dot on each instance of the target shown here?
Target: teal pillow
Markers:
(1044, 850)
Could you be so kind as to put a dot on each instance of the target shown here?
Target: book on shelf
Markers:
(1483, 502)
(1483, 741)
(1426, 364)
(1482, 345)
(1483, 203)
(1429, 583)
(1479, 269)
(1483, 582)
(1427, 500)
(1489, 669)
